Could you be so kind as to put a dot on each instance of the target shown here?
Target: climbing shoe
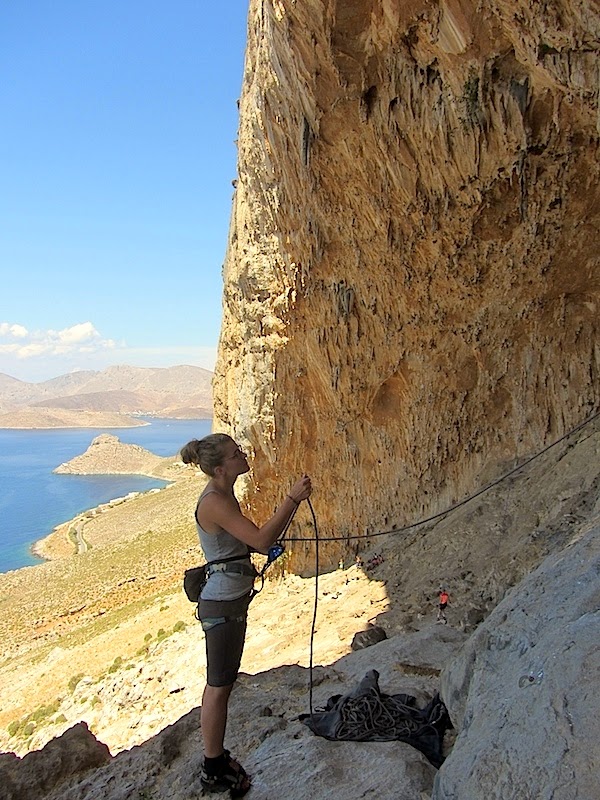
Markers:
(224, 774)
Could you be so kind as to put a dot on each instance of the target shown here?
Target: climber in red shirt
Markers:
(444, 599)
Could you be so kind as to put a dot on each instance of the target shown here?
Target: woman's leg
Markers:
(213, 719)
(224, 624)
(220, 769)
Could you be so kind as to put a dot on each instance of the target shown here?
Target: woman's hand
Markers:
(300, 490)
(222, 511)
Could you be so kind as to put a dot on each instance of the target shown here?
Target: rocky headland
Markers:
(106, 455)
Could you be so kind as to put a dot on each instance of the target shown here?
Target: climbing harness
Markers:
(194, 579)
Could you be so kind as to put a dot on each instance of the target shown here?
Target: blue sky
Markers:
(118, 123)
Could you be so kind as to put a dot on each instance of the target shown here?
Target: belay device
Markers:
(274, 552)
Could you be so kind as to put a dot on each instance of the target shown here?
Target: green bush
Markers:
(74, 680)
(179, 626)
(117, 663)
(26, 725)
(44, 711)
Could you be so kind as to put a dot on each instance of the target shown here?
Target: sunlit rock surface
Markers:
(523, 693)
(411, 284)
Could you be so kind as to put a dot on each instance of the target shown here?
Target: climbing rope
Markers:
(460, 503)
(376, 718)
(314, 618)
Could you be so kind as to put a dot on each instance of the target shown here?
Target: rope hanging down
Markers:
(314, 619)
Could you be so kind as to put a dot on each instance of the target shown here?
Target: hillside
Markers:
(112, 640)
(181, 392)
(61, 418)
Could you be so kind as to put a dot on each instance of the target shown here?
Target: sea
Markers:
(33, 501)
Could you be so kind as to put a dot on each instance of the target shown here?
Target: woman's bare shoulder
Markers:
(214, 505)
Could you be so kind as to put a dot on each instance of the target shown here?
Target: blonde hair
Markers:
(207, 453)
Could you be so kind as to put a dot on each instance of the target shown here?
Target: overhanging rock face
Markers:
(412, 277)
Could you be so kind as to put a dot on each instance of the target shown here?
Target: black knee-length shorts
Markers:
(224, 625)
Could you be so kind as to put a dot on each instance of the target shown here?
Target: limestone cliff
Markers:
(411, 283)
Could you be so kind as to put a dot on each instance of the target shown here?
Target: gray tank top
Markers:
(223, 585)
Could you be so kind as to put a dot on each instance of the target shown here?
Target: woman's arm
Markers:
(224, 512)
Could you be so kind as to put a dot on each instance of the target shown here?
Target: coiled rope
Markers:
(378, 719)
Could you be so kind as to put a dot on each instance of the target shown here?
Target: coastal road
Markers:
(80, 543)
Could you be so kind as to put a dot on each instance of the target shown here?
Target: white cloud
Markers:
(80, 338)
(40, 355)
(30, 350)
(14, 331)
(84, 332)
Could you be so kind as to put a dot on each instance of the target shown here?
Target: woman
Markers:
(227, 536)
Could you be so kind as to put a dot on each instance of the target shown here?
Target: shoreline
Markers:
(133, 422)
(102, 458)
(60, 419)
(90, 427)
(52, 546)
(120, 473)
(69, 427)
(48, 547)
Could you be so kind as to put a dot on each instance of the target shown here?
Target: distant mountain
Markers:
(9, 384)
(182, 392)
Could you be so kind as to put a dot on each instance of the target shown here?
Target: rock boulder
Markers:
(523, 694)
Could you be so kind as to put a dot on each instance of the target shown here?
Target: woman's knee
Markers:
(217, 693)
